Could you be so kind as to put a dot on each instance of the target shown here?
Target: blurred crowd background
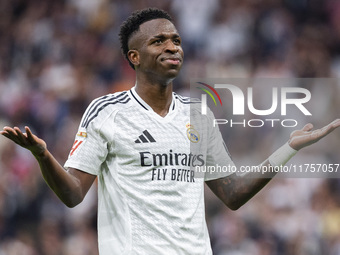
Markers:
(58, 55)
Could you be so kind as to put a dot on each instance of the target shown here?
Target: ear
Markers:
(133, 56)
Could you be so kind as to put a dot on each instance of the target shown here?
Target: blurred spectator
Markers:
(56, 56)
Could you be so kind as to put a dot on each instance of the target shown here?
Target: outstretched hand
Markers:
(27, 140)
(306, 136)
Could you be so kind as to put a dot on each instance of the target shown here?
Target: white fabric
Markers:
(282, 155)
(149, 202)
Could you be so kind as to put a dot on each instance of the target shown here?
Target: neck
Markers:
(157, 96)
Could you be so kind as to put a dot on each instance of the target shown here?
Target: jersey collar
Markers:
(147, 107)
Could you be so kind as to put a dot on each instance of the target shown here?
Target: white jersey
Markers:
(149, 199)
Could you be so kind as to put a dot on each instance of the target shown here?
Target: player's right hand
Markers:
(27, 140)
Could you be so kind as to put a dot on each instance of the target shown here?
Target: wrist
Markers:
(282, 155)
(40, 154)
(293, 145)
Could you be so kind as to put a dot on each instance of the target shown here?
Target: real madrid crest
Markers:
(192, 133)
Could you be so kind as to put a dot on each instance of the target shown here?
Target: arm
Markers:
(70, 186)
(236, 190)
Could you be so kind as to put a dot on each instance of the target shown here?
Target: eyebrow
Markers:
(162, 36)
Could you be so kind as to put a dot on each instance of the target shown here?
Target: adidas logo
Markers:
(145, 138)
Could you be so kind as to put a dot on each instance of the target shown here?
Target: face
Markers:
(156, 49)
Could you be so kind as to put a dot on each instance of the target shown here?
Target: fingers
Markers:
(335, 123)
(4, 132)
(322, 132)
(330, 127)
(29, 134)
(11, 134)
(21, 137)
(15, 135)
(308, 127)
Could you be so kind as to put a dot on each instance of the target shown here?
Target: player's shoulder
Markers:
(185, 102)
(104, 105)
(193, 107)
(185, 99)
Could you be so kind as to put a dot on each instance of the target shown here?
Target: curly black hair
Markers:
(132, 23)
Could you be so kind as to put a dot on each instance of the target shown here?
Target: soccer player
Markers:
(137, 143)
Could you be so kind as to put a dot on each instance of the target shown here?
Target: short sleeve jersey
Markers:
(149, 199)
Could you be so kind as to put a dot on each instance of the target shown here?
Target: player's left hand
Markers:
(307, 136)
